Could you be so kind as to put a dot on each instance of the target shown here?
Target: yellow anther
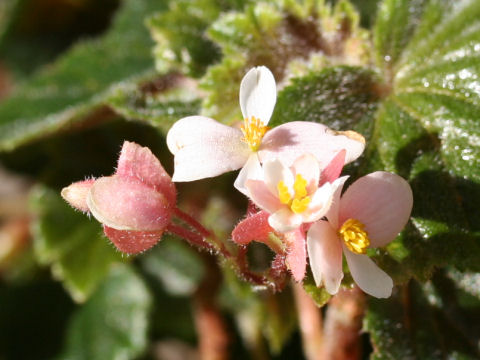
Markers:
(300, 205)
(299, 202)
(354, 236)
(300, 187)
(283, 193)
(253, 131)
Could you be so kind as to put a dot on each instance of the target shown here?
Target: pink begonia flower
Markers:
(256, 227)
(205, 148)
(134, 205)
(291, 195)
(371, 213)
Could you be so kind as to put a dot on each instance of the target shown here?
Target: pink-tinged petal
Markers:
(262, 197)
(274, 171)
(319, 204)
(254, 228)
(333, 211)
(128, 204)
(205, 148)
(285, 220)
(333, 169)
(132, 242)
(368, 276)
(258, 94)
(293, 139)
(325, 254)
(307, 166)
(382, 202)
(76, 194)
(252, 170)
(139, 162)
(296, 254)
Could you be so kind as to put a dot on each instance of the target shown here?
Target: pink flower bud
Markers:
(135, 205)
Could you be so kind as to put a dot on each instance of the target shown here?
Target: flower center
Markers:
(298, 203)
(253, 131)
(354, 236)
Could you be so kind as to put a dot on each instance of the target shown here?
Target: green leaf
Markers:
(394, 27)
(33, 33)
(74, 87)
(71, 243)
(344, 98)
(423, 322)
(288, 37)
(427, 130)
(113, 323)
(158, 101)
(260, 313)
(176, 265)
(180, 34)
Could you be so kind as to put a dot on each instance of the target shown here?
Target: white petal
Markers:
(333, 211)
(368, 276)
(258, 94)
(382, 202)
(307, 166)
(284, 220)
(274, 171)
(325, 254)
(250, 171)
(293, 139)
(262, 197)
(319, 204)
(204, 148)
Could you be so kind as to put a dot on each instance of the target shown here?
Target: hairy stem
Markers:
(310, 323)
(213, 336)
(199, 238)
(192, 237)
(343, 323)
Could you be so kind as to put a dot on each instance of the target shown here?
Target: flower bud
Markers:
(135, 205)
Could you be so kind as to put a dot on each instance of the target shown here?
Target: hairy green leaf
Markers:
(67, 92)
(158, 101)
(344, 98)
(113, 323)
(176, 265)
(71, 243)
(288, 37)
(424, 322)
(427, 129)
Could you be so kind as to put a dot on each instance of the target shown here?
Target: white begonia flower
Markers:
(371, 213)
(205, 148)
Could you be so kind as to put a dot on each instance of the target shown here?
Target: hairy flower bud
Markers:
(135, 205)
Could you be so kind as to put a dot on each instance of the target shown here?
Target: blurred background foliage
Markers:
(78, 77)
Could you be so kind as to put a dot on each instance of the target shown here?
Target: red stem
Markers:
(190, 236)
(199, 238)
(192, 222)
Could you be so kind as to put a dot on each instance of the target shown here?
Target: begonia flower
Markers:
(371, 213)
(134, 205)
(205, 148)
(256, 226)
(291, 194)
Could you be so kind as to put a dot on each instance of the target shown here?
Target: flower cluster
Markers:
(291, 173)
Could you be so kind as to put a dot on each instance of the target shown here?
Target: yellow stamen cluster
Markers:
(299, 202)
(253, 131)
(354, 236)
